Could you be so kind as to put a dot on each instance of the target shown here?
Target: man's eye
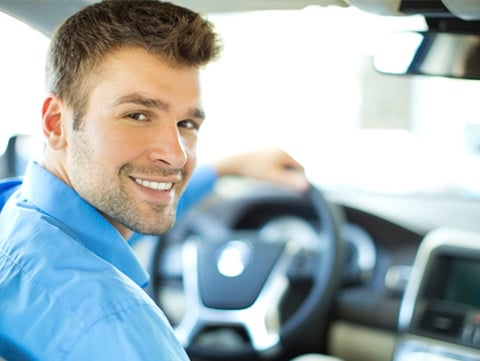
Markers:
(189, 124)
(137, 116)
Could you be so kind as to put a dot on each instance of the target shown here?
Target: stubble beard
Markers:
(111, 197)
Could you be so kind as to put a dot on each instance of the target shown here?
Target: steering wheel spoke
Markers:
(260, 320)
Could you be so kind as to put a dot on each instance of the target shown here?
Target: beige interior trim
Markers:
(358, 343)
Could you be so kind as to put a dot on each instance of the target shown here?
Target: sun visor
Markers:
(381, 7)
(464, 9)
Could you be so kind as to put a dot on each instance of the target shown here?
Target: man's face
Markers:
(135, 149)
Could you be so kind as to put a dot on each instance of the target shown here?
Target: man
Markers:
(120, 124)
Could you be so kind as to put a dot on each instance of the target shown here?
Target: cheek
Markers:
(191, 159)
(114, 146)
(190, 147)
(189, 138)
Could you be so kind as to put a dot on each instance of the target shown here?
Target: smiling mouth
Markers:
(156, 186)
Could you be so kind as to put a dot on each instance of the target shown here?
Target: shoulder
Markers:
(59, 298)
(79, 305)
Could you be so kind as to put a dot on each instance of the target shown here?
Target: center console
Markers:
(440, 312)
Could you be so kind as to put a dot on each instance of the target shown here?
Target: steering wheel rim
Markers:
(202, 312)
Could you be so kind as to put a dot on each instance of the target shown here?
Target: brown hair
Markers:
(179, 35)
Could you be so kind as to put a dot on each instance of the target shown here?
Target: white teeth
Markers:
(157, 186)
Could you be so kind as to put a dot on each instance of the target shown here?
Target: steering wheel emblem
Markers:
(233, 258)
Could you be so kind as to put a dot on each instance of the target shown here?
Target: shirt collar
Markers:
(88, 226)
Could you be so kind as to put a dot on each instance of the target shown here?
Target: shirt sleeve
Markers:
(201, 185)
(7, 188)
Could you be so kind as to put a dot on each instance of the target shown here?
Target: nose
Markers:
(168, 147)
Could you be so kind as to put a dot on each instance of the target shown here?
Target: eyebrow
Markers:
(154, 103)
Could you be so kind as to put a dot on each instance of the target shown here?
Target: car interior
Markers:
(388, 272)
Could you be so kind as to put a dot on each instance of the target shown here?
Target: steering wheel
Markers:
(232, 290)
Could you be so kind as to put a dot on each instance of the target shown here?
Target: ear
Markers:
(53, 119)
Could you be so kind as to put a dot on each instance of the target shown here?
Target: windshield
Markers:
(303, 80)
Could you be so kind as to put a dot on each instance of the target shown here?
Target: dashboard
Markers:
(380, 264)
(376, 264)
(440, 315)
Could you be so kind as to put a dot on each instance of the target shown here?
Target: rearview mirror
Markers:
(430, 53)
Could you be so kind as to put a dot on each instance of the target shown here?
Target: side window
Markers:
(22, 63)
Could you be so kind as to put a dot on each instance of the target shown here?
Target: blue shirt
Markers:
(7, 188)
(70, 285)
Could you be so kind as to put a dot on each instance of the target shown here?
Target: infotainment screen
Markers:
(439, 316)
(463, 281)
(455, 279)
